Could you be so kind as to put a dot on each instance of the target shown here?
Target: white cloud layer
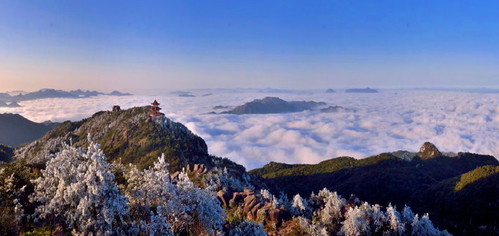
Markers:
(383, 122)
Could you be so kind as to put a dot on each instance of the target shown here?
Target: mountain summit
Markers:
(127, 136)
(269, 105)
(428, 150)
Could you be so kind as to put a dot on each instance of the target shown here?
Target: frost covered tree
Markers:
(395, 220)
(160, 207)
(407, 215)
(329, 214)
(201, 205)
(355, 222)
(332, 215)
(377, 217)
(10, 204)
(312, 228)
(246, 228)
(77, 188)
(153, 199)
(300, 206)
(424, 227)
(276, 202)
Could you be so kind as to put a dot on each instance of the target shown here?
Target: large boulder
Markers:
(428, 151)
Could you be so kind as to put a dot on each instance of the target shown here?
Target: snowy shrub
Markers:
(203, 205)
(311, 228)
(332, 204)
(395, 220)
(299, 206)
(153, 198)
(78, 188)
(180, 207)
(246, 228)
(424, 227)
(355, 222)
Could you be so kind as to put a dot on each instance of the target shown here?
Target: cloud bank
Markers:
(388, 121)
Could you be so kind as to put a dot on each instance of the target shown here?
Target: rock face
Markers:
(254, 207)
(428, 150)
(269, 105)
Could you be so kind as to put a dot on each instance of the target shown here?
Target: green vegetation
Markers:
(475, 175)
(276, 170)
(459, 192)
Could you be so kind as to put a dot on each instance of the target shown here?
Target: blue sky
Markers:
(137, 45)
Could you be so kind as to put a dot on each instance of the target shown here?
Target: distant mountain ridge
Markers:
(269, 105)
(359, 90)
(54, 93)
(16, 130)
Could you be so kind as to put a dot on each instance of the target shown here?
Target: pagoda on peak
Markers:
(155, 109)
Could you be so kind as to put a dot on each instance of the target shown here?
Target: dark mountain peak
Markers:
(118, 93)
(270, 100)
(428, 150)
(360, 90)
(14, 104)
(13, 119)
(17, 130)
(269, 105)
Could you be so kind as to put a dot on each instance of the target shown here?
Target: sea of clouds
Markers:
(387, 121)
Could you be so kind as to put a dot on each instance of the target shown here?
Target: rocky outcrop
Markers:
(253, 206)
(428, 151)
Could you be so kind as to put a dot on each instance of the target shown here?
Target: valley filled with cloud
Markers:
(372, 123)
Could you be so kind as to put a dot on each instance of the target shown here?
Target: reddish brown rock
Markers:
(236, 198)
(249, 202)
(224, 198)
